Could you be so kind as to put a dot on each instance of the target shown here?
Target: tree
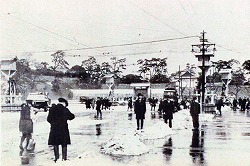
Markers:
(237, 81)
(117, 66)
(159, 78)
(92, 69)
(246, 66)
(59, 61)
(153, 67)
(23, 75)
(105, 68)
(225, 64)
(131, 78)
(56, 85)
(77, 71)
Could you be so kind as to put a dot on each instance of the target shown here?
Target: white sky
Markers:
(50, 25)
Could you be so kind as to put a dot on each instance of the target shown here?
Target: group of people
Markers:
(244, 104)
(167, 107)
(58, 116)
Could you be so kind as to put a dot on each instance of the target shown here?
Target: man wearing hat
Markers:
(140, 110)
(195, 111)
(59, 132)
(168, 109)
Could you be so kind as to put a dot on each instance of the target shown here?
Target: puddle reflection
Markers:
(98, 129)
(197, 147)
(130, 115)
(168, 149)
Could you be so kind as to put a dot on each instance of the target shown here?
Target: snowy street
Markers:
(114, 140)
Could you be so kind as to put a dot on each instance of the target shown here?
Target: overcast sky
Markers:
(44, 26)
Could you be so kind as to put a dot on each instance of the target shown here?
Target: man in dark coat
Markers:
(140, 110)
(219, 104)
(195, 111)
(98, 107)
(168, 109)
(59, 132)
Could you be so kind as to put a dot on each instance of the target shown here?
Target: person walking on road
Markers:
(167, 109)
(219, 104)
(25, 126)
(59, 133)
(235, 104)
(130, 104)
(195, 111)
(140, 110)
(98, 107)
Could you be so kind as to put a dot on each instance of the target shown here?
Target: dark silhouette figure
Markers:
(25, 126)
(168, 149)
(168, 109)
(243, 104)
(196, 147)
(140, 110)
(219, 104)
(98, 107)
(235, 104)
(98, 129)
(130, 104)
(195, 111)
(59, 132)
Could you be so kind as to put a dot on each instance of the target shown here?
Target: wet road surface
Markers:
(224, 140)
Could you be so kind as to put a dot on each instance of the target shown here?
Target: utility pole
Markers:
(203, 54)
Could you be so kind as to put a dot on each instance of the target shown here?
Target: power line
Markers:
(119, 45)
(157, 18)
(57, 34)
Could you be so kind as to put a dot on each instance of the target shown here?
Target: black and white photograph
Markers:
(125, 82)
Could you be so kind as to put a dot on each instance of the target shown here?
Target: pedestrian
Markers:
(248, 105)
(235, 104)
(140, 110)
(195, 111)
(243, 104)
(88, 103)
(240, 102)
(93, 103)
(153, 102)
(168, 109)
(25, 126)
(160, 106)
(130, 104)
(59, 132)
(219, 104)
(98, 107)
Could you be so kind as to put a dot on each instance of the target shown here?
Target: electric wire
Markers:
(157, 18)
(120, 45)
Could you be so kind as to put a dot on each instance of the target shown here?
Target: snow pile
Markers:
(183, 115)
(126, 144)
(158, 130)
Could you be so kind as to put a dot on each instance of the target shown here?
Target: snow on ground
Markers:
(158, 130)
(130, 143)
(124, 144)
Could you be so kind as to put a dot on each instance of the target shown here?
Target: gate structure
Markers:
(10, 100)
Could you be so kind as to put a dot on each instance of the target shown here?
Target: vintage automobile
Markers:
(39, 100)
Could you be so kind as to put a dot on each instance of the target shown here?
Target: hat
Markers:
(194, 98)
(63, 100)
(139, 94)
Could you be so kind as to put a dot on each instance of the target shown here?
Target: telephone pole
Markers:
(203, 53)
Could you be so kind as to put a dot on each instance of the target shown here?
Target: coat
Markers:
(59, 132)
(195, 108)
(140, 109)
(168, 109)
(25, 122)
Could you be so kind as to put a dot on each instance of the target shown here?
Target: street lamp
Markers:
(203, 54)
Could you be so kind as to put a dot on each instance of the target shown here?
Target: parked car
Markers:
(39, 100)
